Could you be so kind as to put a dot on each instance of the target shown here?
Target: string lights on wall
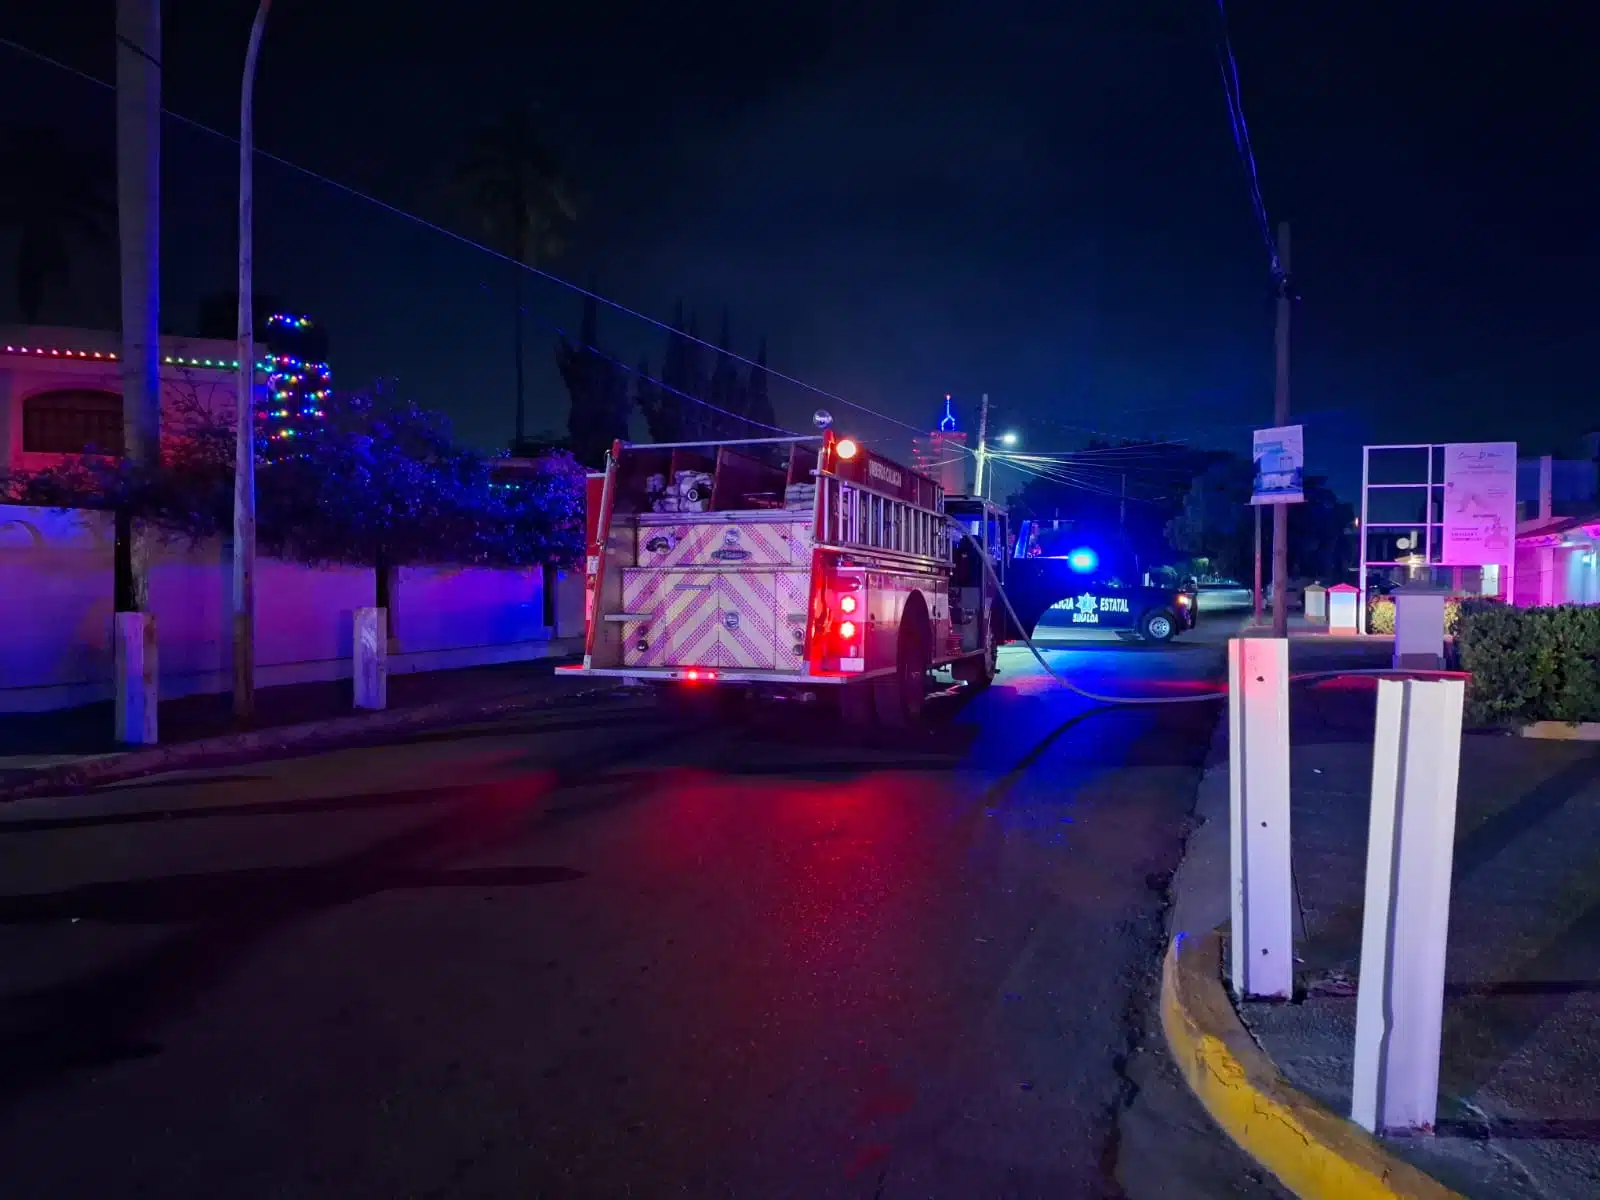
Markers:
(171, 360)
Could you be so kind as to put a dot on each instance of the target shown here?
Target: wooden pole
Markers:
(1280, 416)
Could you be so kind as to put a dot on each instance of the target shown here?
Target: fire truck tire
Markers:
(979, 670)
(1158, 625)
(899, 697)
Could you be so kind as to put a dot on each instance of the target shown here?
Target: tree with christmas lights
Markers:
(299, 387)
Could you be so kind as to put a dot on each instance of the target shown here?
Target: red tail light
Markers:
(695, 675)
(847, 630)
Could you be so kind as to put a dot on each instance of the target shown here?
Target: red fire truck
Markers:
(804, 567)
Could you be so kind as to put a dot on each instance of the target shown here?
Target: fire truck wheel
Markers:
(979, 671)
(899, 697)
(1158, 625)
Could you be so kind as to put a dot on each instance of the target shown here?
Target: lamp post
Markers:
(244, 464)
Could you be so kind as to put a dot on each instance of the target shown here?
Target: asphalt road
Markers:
(603, 952)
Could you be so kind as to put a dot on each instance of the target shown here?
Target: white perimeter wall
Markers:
(56, 609)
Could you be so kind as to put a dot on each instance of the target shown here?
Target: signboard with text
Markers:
(1279, 455)
(1480, 503)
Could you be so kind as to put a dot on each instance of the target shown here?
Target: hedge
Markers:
(1531, 664)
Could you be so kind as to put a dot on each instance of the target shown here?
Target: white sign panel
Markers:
(1280, 465)
(1480, 503)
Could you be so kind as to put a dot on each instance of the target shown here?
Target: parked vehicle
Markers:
(840, 574)
(1224, 595)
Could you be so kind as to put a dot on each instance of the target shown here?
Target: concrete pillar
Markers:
(371, 668)
(1416, 764)
(1262, 933)
(137, 678)
(570, 601)
(1419, 630)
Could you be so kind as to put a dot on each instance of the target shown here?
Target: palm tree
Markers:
(51, 195)
(512, 184)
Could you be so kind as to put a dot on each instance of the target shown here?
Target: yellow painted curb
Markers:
(1315, 1154)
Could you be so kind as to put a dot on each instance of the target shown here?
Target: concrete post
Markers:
(1258, 749)
(1418, 630)
(371, 668)
(138, 678)
(1416, 761)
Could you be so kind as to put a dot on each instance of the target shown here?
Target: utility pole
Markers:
(244, 450)
(1280, 416)
(139, 247)
(1257, 592)
(139, 236)
(983, 445)
(1122, 504)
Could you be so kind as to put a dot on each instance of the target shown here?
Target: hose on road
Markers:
(1220, 693)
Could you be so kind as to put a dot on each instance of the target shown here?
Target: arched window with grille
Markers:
(73, 421)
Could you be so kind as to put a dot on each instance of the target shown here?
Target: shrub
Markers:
(1531, 664)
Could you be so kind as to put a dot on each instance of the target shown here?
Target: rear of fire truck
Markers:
(706, 573)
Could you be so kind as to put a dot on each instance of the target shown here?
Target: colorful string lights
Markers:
(298, 387)
(171, 360)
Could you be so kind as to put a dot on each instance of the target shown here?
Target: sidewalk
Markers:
(1520, 1075)
(34, 746)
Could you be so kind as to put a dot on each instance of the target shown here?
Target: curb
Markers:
(1312, 1152)
(274, 742)
(1562, 731)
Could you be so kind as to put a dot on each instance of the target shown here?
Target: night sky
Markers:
(1038, 200)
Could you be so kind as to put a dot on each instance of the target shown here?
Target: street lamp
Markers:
(244, 466)
(1008, 439)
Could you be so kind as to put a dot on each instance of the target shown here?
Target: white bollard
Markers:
(1416, 762)
(1258, 774)
(371, 669)
(138, 678)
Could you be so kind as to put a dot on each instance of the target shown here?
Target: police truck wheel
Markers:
(899, 697)
(1158, 625)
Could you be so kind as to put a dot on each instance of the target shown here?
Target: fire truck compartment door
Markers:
(672, 618)
(749, 620)
(762, 615)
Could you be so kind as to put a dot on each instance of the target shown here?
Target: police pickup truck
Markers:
(1073, 592)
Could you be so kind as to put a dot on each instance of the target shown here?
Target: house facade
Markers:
(61, 391)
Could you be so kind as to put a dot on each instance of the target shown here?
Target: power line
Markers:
(1241, 137)
(397, 211)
